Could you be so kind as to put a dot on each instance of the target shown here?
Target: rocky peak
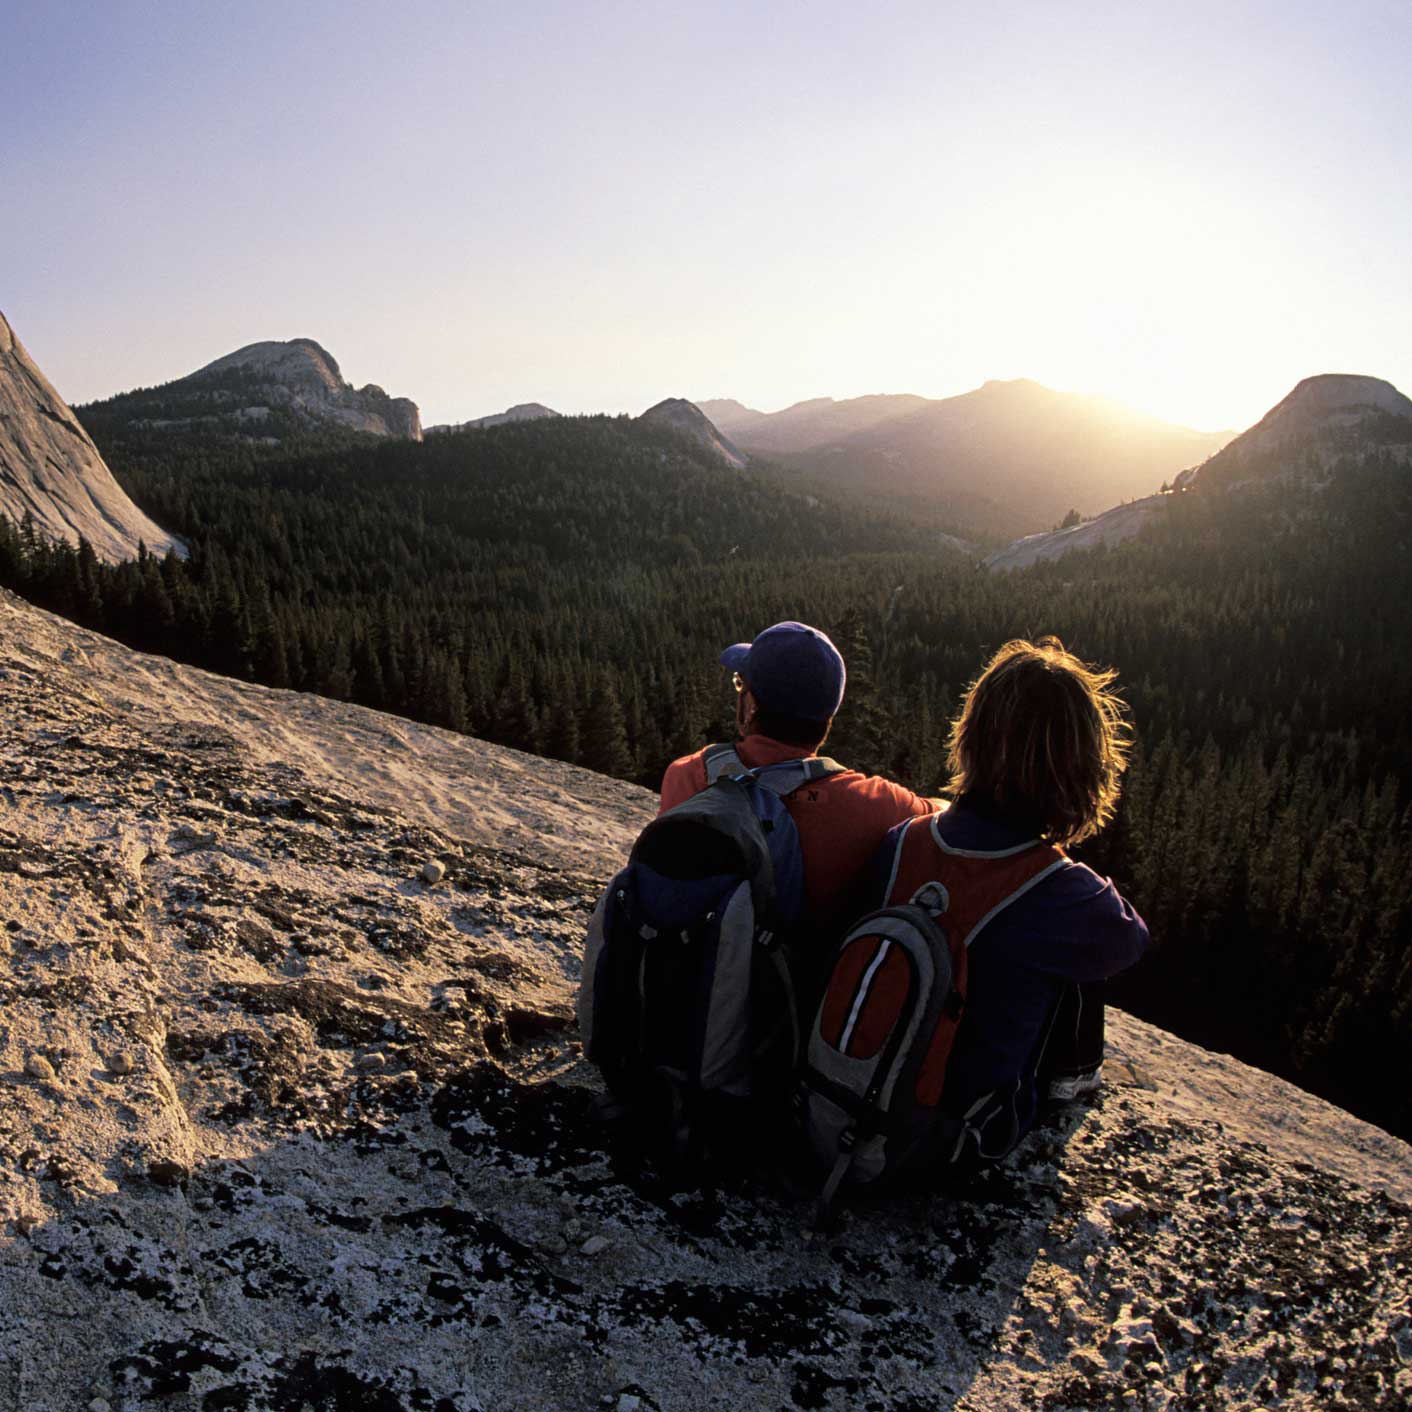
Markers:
(520, 412)
(1322, 417)
(683, 416)
(299, 362)
(1335, 392)
(1328, 400)
(51, 470)
(302, 375)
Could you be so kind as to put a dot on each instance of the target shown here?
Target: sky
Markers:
(1184, 207)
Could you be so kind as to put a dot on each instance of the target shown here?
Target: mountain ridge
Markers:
(1301, 435)
(1330, 412)
(262, 387)
(804, 424)
(1005, 456)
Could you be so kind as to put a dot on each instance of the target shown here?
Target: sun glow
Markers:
(1131, 287)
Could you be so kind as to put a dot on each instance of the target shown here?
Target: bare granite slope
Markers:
(1305, 433)
(685, 417)
(51, 470)
(1113, 526)
(285, 1125)
(302, 375)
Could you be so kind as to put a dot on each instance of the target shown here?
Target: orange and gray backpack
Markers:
(875, 1060)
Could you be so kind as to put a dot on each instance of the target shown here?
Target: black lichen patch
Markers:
(493, 1117)
(227, 1380)
(813, 1387)
(268, 1068)
(721, 1322)
(166, 1366)
(483, 1251)
(259, 1265)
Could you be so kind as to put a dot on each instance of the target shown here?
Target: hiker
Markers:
(1036, 756)
(789, 686)
(702, 954)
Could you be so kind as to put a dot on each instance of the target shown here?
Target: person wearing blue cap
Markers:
(789, 686)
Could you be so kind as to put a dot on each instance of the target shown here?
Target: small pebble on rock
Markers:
(433, 871)
(120, 1062)
(594, 1245)
(99, 1404)
(38, 1067)
(573, 1228)
(629, 1402)
(370, 1061)
(168, 1173)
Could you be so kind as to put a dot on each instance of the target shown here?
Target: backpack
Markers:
(687, 1002)
(875, 1061)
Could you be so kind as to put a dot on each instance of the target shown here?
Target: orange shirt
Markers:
(842, 819)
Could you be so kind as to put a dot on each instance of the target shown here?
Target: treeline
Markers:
(565, 587)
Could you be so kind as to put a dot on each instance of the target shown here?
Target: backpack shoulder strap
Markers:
(781, 779)
(722, 760)
(972, 887)
(788, 775)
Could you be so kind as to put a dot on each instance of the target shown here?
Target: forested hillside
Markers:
(564, 586)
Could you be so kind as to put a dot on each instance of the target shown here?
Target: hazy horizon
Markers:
(1184, 209)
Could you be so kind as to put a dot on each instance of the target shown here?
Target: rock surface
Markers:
(304, 376)
(50, 468)
(1324, 417)
(352, 1164)
(683, 416)
(1112, 527)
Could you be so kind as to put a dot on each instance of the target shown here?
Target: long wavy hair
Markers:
(1043, 732)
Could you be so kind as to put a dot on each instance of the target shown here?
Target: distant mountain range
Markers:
(806, 425)
(1006, 457)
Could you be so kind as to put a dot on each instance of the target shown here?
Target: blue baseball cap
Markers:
(793, 669)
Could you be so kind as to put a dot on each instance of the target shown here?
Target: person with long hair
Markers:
(1036, 757)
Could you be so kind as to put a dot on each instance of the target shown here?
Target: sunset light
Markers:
(1185, 208)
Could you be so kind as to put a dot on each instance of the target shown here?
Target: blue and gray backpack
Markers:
(687, 1002)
